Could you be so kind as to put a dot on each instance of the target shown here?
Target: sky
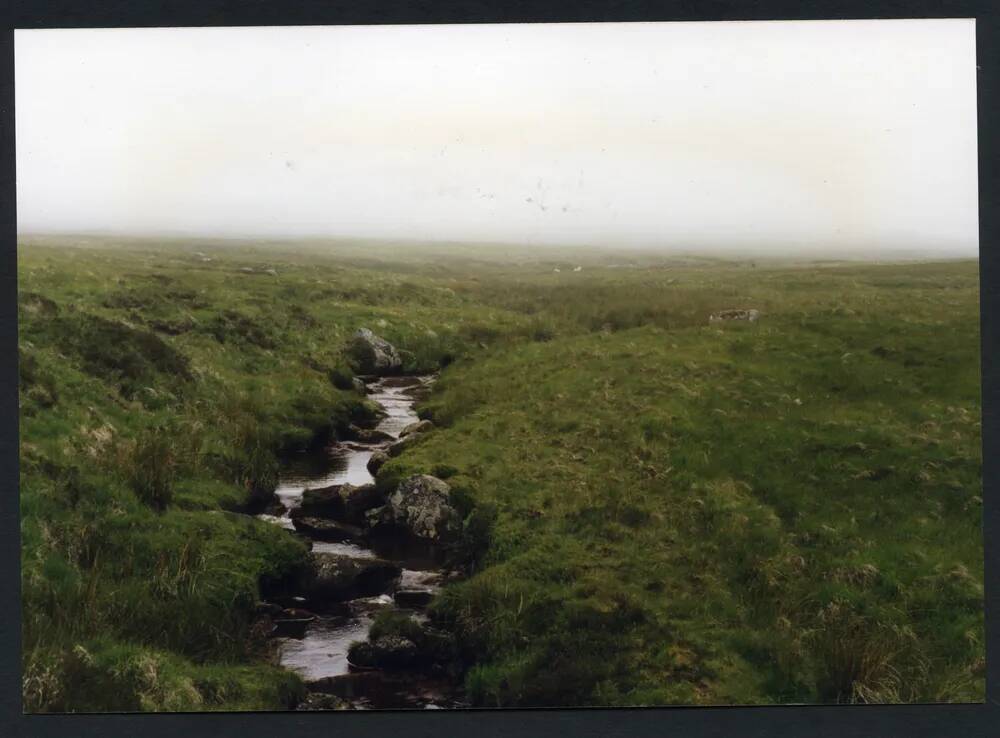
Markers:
(810, 136)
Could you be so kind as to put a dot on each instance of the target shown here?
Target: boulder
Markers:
(324, 529)
(374, 355)
(378, 458)
(368, 435)
(320, 502)
(421, 506)
(337, 577)
(421, 426)
(342, 502)
(359, 385)
(387, 652)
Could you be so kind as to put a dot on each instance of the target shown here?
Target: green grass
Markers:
(661, 511)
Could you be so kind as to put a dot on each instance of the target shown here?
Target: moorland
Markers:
(660, 509)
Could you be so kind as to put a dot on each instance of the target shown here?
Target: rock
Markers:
(367, 435)
(320, 501)
(413, 598)
(420, 505)
(374, 355)
(387, 652)
(359, 385)
(341, 502)
(379, 457)
(402, 444)
(421, 646)
(421, 426)
(323, 529)
(393, 650)
(336, 577)
(750, 315)
(316, 701)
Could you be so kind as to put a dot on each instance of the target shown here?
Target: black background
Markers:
(932, 721)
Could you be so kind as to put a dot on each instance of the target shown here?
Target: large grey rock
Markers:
(421, 506)
(336, 577)
(374, 355)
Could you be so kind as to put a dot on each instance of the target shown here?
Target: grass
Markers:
(660, 511)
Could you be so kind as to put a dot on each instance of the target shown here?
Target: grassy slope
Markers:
(787, 511)
(156, 387)
(671, 525)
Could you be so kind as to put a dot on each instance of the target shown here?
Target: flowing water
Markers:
(321, 651)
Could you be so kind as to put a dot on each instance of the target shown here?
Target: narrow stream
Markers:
(320, 653)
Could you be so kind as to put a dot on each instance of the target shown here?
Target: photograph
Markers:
(498, 365)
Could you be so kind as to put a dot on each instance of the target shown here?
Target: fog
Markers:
(805, 136)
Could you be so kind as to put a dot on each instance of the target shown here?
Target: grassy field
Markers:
(665, 511)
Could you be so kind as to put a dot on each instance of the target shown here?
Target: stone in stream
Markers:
(343, 502)
(374, 355)
(420, 426)
(368, 435)
(403, 443)
(336, 577)
(377, 460)
(387, 652)
(421, 506)
(323, 529)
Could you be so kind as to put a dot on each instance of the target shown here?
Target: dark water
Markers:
(321, 654)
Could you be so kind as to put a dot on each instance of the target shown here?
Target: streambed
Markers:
(320, 653)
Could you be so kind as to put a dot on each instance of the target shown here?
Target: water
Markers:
(321, 654)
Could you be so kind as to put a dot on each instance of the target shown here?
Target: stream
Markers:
(319, 653)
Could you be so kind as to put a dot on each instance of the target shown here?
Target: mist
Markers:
(809, 137)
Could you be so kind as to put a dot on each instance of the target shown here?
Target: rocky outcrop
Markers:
(374, 355)
(336, 577)
(420, 506)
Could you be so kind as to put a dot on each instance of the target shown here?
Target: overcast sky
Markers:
(808, 135)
